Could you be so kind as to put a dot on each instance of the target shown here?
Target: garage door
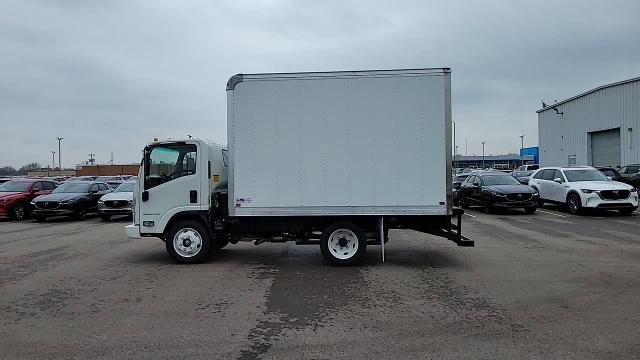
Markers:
(605, 148)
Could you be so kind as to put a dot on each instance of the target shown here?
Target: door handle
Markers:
(193, 196)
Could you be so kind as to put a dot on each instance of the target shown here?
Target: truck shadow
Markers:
(283, 257)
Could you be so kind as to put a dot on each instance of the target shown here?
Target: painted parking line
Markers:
(550, 213)
(470, 215)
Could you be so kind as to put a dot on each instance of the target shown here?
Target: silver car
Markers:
(117, 202)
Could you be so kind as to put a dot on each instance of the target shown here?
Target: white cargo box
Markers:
(340, 143)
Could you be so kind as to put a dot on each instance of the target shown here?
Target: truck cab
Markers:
(176, 180)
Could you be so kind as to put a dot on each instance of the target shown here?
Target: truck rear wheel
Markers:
(343, 243)
(188, 242)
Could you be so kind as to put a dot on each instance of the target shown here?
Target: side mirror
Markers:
(558, 180)
(610, 177)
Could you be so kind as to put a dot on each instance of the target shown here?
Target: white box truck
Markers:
(328, 158)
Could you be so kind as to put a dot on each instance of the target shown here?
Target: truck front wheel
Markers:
(343, 243)
(188, 242)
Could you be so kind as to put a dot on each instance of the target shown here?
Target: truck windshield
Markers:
(168, 162)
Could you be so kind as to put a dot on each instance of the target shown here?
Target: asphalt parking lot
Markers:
(543, 286)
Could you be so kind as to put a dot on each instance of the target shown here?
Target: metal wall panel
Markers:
(561, 136)
(339, 145)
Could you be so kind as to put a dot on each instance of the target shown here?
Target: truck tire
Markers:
(343, 243)
(188, 242)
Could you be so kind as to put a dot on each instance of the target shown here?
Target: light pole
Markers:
(53, 159)
(454, 156)
(521, 149)
(59, 153)
(484, 142)
(454, 144)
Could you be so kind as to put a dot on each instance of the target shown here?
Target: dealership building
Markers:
(600, 127)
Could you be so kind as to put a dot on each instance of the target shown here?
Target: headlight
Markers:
(100, 201)
(535, 193)
(588, 191)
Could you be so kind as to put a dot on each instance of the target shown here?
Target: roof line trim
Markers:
(549, 107)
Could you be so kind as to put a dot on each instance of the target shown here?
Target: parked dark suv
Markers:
(497, 190)
(15, 196)
(630, 175)
(74, 199)
(611, 173)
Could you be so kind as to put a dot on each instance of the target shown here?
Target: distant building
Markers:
(531, 151)
(106, 170)
(600, 127)
(50, 172)
(498, 162)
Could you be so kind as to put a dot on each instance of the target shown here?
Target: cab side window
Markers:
(37, 186)
(558, 174)
(102, 187)
(93, 188)
(165, 163)
(47, 185)
(539, 174)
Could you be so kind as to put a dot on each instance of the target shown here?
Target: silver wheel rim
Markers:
(343, 244)
(187, 242)
(19, 212)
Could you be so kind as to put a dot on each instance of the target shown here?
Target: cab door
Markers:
(170, 185)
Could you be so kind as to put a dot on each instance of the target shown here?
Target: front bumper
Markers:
(133, 231)
(53, 212)
(515, 204)
(593, 200)
(115, 211)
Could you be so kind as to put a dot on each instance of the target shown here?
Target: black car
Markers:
(611, 173)
(73, 199)
(497, 190)
(522, 176)
(630, 174)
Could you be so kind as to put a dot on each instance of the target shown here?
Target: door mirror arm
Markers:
(558, 180)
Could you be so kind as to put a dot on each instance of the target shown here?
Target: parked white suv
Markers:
(583, 187)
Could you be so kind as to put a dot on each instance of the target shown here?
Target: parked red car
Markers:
(16, 195)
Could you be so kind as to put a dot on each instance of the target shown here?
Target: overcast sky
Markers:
(108, 76)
